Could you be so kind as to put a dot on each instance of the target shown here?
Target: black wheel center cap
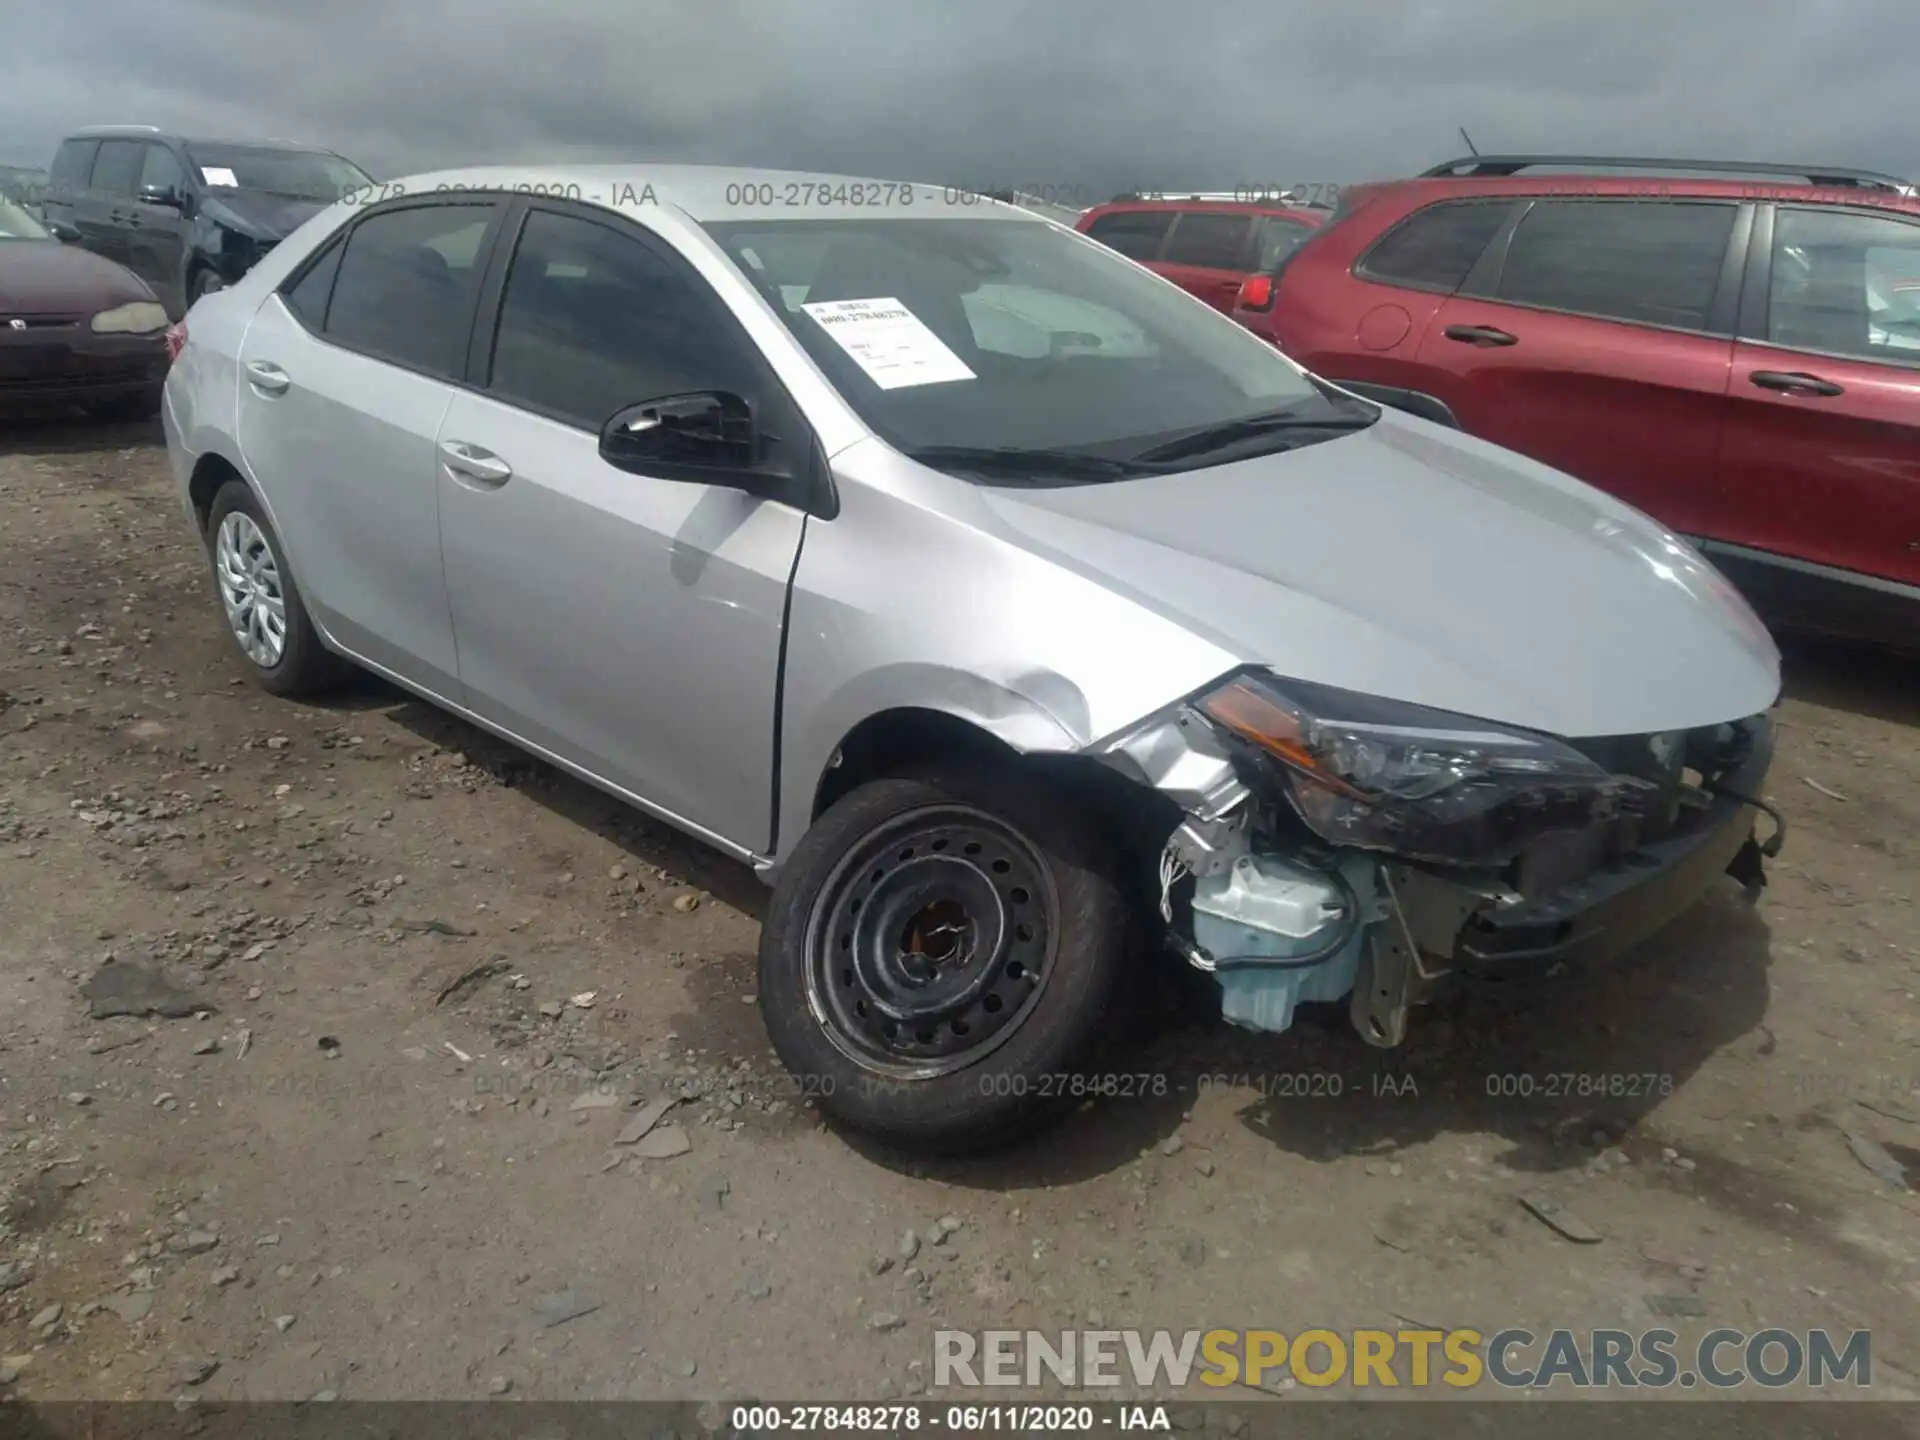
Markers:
(931, 941)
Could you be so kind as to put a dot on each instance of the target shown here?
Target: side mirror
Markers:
(160, 195)
(707, 431)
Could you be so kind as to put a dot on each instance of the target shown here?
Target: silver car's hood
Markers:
(1415, 562)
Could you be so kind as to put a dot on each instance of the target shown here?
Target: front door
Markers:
(156, 236)
(629, 625)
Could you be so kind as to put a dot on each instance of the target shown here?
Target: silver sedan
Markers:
(1024, 622)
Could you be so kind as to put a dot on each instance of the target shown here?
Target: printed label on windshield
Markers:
(888, 341)
(219, 175)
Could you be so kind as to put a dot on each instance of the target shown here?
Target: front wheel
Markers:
(941, 956)
(204, 282)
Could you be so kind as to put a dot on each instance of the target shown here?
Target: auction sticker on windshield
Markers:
(219, 175)
(888, 341)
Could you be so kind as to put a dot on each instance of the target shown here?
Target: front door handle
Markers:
(474, 463)
(1795, 382)
(266, 377)
(1481, 335)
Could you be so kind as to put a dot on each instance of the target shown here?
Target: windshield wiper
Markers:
(1218, 437)
(1036, 464)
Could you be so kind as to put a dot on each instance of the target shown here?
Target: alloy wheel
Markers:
(250, 590)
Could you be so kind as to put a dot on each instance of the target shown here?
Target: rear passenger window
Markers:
(117, 167)
(400, 297)
(308, 297)
(1136, 234)
(1218, 242)
(1651, 262)
(593, 321)
(73, 162)
(1435, 248)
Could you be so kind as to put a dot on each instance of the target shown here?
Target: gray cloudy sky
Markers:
(1100, 94)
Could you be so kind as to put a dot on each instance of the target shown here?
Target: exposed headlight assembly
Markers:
(1424, 784)
(142, 317)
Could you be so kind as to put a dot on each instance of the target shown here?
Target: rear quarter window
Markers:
(1136, 234)
(1435, 248)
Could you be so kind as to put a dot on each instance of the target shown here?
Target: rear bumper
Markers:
(1606, 914)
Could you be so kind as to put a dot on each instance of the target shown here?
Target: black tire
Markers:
(204, 282)
(1048, 1026)
(305, 666)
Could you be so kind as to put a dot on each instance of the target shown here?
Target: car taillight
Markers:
(176, 340)
(1256, 293)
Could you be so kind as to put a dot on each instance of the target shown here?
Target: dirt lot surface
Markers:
(422, 976)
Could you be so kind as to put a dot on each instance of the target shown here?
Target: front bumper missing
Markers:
(1438, 927)
(1433, 923)
(1599, 917)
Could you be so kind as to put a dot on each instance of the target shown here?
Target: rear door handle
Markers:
(1795, 382)
(1482, 335)
(266, 377)
(474, 463)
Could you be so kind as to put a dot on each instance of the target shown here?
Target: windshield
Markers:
(1006, 334)
(303, 174)
(17, 224)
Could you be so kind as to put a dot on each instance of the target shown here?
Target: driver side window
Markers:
(1845, 284)
(594, 320)
(161, 168)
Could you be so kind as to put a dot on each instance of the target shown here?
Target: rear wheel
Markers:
(941, 956)
(265, 616)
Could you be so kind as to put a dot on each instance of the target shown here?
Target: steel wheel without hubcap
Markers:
(250, 590)
(930, 942)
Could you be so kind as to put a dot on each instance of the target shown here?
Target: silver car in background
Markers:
(1023, 621)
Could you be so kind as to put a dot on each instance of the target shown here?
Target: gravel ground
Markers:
(422, 981)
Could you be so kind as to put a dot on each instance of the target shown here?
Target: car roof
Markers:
(719, 193)
(1654, 186)
(153, 132)
(1306, 215)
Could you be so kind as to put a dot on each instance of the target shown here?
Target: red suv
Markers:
(1206, 244)
(1739, 359)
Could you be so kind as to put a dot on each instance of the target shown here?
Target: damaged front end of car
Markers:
(1342, 847)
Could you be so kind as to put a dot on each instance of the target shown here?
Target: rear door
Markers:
(101, 212)
(1820, 461)
(1597, 336)
(346, 372)
(1363, 326)
(1208, 253)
